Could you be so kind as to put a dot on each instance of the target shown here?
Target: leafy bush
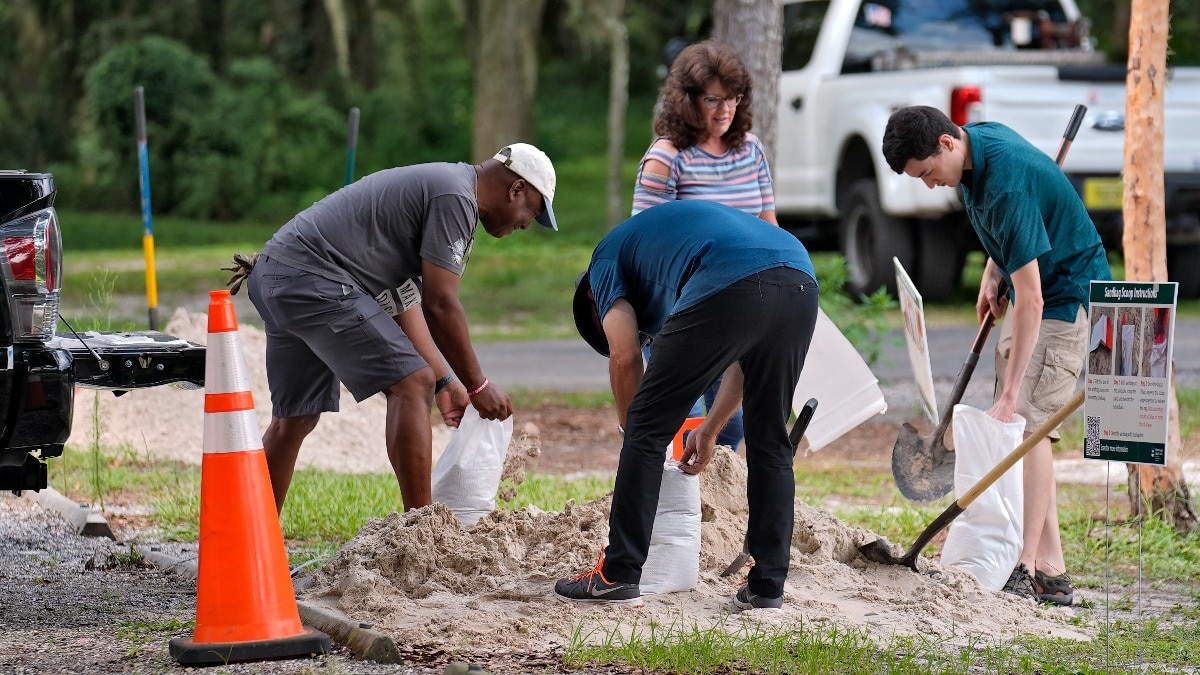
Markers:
(247, 145)
(178, 85)
(863, 320)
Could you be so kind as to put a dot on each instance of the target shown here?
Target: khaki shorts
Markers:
(1053, 373)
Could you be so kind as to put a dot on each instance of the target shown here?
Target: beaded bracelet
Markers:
(480, 388)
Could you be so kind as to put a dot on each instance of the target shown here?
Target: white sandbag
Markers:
(986, 539)
(467, 474)
(673, 562)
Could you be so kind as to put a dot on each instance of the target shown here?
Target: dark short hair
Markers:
(680, 120)
(913, 133)
(584, 309)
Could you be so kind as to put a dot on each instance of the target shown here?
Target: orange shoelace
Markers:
(598, 569)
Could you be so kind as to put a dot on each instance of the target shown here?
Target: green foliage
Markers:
(263, 148)
(864, 321)
(178, 85)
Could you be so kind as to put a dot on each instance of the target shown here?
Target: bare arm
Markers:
(452, 399)
(448, 327)
(625, 355)
(1026, 316)
(769, 216)
(698, 451)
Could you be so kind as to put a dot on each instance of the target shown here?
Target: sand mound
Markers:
(423, 578)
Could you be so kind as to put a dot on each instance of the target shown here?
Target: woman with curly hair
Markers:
(703, 147)
(704, 150)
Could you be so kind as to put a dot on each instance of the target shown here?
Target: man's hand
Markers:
(698, 450)
(492, 403)
(452, 402)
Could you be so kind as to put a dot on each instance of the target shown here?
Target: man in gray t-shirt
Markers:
(337, 285)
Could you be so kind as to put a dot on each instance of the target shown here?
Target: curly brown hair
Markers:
(680, 119)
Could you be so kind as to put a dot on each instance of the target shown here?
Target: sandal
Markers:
(1054, 590)
(1020, 583)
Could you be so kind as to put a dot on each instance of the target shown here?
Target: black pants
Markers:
(765, 322)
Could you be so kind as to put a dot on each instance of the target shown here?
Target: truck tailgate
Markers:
(133, 360)
(1037, 102)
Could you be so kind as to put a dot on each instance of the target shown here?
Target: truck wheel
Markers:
(1183, 266)
(868, 238)
(940, 258)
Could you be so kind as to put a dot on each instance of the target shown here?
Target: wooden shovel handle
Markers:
(1020, 451)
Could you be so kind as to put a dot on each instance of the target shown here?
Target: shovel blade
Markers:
(923, 470)
(737, 563)
(880, 551)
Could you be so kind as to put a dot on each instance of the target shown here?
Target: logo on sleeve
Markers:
(460, 251)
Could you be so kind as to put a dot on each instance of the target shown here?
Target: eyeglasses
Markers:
(714, 102)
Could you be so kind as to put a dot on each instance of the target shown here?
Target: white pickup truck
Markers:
(847, 64)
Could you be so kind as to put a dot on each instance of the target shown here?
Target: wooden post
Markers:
(1161, 489)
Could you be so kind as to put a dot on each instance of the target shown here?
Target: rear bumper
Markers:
(133, 360)
(1181, 198)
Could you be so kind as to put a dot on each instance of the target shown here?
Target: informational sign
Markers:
(1128, 379)
(918, 344)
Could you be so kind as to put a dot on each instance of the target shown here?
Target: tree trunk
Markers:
(618, 101)
(1162, 489)
(755, 29)
(505, 68)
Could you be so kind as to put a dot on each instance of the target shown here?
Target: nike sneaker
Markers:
(744, 599)
(591, 586)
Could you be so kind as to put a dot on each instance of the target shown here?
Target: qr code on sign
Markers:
(1091, 437)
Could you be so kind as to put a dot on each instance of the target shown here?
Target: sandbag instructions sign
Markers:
(1128, 376)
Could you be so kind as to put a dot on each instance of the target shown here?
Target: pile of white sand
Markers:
(425, 580)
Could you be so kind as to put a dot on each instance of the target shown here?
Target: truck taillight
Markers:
(32, 268)
(964, 104)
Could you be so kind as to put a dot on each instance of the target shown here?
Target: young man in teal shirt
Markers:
(1040, 240)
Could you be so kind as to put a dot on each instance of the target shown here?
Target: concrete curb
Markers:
(86, 521)
(360, 638)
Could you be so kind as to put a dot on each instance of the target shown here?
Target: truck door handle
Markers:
(797, 103)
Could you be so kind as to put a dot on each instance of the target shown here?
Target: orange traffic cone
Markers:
(677, 442)
(245, 606)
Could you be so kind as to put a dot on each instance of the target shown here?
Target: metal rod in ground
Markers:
(139, 105)
(351, 144)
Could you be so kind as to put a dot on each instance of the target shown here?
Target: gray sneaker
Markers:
(592, 587)
(744, 599)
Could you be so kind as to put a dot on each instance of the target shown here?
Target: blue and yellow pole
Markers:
(351, 145)
(147, 223)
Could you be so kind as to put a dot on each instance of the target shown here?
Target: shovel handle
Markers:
(1020, 451)
(961, 504)
(964, 373)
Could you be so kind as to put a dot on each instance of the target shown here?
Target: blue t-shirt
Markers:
(677, 254)
(1023, 207)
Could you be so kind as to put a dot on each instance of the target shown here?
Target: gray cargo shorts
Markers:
(322, 333)
(1053, 373)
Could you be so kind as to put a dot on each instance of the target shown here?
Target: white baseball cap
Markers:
(534, 166)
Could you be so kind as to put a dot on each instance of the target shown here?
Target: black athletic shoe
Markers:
(591, 586)
(744, 599)
(1020, 583)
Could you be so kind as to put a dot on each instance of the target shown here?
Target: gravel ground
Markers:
(75, 604)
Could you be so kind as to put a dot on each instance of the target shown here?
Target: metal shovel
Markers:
(797, 433)
(924, 467)
(880, 550)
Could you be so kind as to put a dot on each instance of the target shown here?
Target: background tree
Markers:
(503, 47)
(755, 29)
(1162, 489)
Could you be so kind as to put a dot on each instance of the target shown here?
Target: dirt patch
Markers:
(487, 589)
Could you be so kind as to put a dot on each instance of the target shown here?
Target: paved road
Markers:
(570, 365)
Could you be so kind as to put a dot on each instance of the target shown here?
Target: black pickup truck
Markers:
(41, 367)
